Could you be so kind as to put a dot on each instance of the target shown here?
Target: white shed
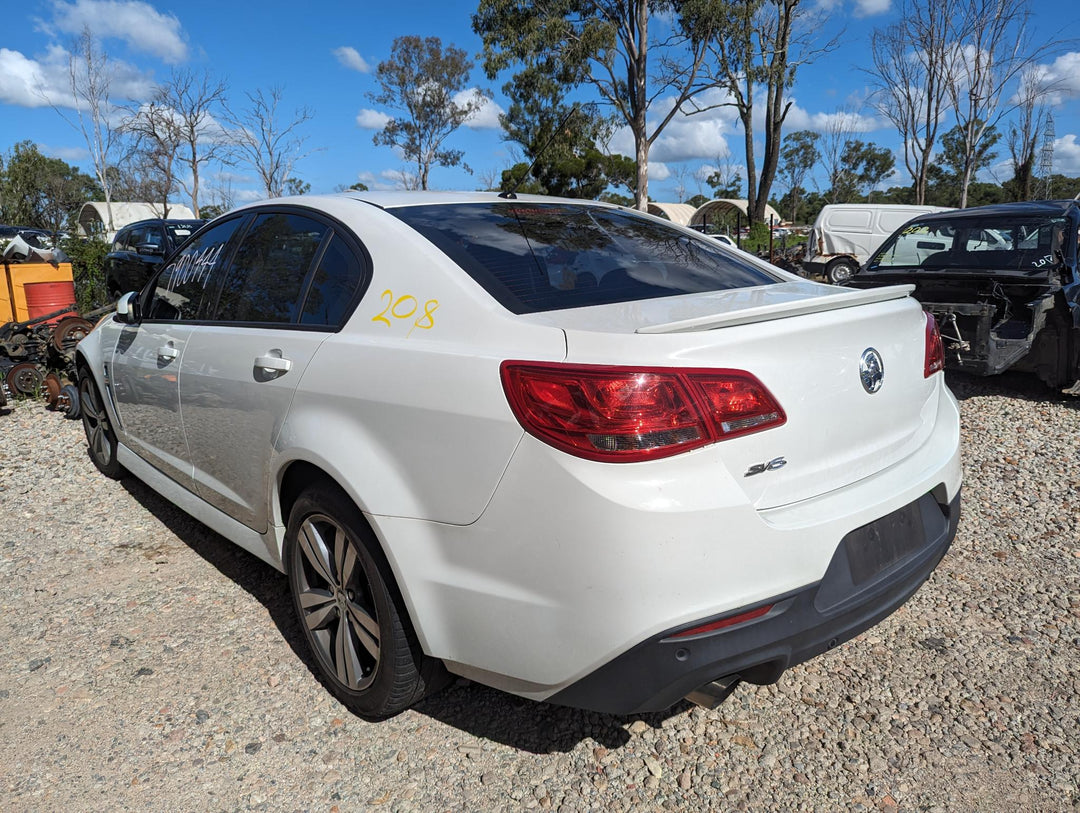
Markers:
(94, 216)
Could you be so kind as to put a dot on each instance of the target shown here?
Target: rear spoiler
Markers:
(849, 298)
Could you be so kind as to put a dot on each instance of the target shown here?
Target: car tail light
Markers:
(935, 351)
(627, 414)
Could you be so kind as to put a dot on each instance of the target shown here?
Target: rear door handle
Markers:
(275, 364)
(168, 352)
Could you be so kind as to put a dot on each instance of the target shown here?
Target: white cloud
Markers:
(27, 82)
(69, 154)
(372, 119)
(1060, 80)
(658, 171)
(1066, 155)
(379, 182)
(139, 24)
(350, 58)
(800, 119)
(487, 117)
(871, 8)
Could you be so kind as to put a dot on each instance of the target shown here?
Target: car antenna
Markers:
(508, 194)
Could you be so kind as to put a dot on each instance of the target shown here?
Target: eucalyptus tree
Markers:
(631, 53)
(426, 85)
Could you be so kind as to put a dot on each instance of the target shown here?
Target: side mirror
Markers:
(127, 308)
(149, 250)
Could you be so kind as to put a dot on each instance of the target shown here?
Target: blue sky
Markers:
(323, 55)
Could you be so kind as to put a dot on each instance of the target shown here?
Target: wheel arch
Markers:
(296, 477)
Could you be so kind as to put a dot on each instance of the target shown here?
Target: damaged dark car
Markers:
(1001, 281)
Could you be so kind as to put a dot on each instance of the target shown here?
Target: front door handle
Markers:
(168, 352)
(275, 364)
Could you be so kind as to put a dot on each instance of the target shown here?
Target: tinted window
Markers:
(333, 285)
(181, 231)
(266, 278)
(538, 257)
(120, 242)
(179, 288)
(152, 236)
(990, 244)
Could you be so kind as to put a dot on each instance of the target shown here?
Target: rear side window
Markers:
(266, 280)
(179, 289)
(120, 242)
(538, 257)
(333, 286)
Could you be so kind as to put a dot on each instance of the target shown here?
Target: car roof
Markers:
(394, 199)
(1027, 208)
(187, 221)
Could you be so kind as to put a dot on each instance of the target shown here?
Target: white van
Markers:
(846, 234)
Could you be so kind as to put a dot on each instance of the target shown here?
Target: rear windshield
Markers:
(1005, 245)
(539, 257)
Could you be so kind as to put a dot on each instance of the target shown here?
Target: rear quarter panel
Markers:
(405, 407)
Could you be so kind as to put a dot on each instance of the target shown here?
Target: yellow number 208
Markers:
(404, 307)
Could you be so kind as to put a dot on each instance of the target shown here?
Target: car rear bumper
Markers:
(854, 595)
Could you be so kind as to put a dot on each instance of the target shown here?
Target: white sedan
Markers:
(561, 448)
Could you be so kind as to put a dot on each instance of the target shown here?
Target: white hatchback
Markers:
(561, 448)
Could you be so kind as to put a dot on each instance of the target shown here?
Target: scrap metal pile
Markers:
(37, 359)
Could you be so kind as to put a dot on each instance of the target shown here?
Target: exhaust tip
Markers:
(714, 693)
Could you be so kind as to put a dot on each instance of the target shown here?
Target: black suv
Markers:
(139, 249)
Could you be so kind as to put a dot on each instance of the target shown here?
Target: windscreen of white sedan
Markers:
(539, 257)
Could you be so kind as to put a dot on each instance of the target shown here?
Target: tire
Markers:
(350, 610)
(100, 437)
(840, 271)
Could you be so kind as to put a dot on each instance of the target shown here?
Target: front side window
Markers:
(265, 282)
(179, 289)
(542, 256)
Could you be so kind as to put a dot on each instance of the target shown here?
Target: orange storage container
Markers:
(19, 276)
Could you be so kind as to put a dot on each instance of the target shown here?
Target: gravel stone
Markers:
(146, 663)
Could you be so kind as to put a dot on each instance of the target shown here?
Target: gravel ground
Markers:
(145, 663)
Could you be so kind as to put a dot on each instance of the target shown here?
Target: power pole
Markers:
(1046, 157)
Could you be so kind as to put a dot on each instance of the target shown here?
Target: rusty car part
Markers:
(52, 389)
(25, 378)
(69, 331)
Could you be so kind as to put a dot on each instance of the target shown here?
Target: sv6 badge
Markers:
(772, 465)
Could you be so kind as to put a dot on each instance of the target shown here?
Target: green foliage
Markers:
(559, 140)
(617, 199)
(946, 174)
(209, 211)
(758, 239)
(862, 167)
(294, 186)
(88, 269)
(725, 184)
(41, 192)
(798, 157)
(420, 80)
(359, 187)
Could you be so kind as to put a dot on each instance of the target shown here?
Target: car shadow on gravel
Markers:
(482, 712)
(1024, 386)
(538, 728)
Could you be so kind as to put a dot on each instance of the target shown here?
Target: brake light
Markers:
(935, 351)
(628, 414)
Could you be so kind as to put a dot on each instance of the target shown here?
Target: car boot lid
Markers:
(709, 311)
